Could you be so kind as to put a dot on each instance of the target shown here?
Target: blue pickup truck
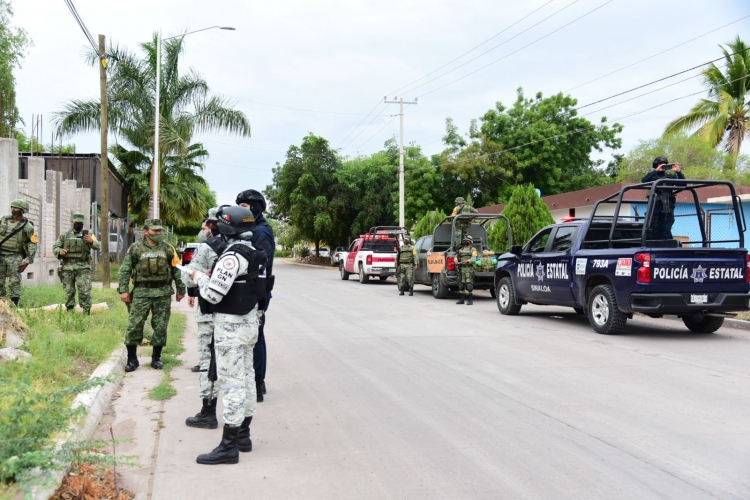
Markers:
(607, 267)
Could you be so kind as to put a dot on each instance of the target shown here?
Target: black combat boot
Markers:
(206, 418)
(400, 291)
(15, 300)
(259, 392)
(244, 443)
(156, 358)
(87, 312)
(227, 451)
(70, 309)
(461, 300)
(411, 292)
(470, 302)
(263, 386)
(197, 368)
(132, 358)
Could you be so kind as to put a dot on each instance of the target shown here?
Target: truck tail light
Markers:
(747, 268)
(643, 275)
(451, 265)
(369, 260)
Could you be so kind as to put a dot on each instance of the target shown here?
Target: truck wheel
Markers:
(506, 298)
(700, 323)
(344, 273)
(604, 315)
(439, 291)
(363, 278)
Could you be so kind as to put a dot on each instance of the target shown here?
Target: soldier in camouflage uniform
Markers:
(462, 225)
(204, 259)
(150, 264)
(74, 249)
(407, 263)
(234, 294)
(17, 248)
(467, 255)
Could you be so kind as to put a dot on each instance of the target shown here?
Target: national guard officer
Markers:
(74, 247)
(467, 255)
(204, 259)
(407, 262)
(17, 248)
(462, 225)
(263, 239)
(150, 263)
(234, 294)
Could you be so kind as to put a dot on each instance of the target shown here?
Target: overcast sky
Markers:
(335, 60)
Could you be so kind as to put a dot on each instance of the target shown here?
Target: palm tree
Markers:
(186, 108)
(723, 117)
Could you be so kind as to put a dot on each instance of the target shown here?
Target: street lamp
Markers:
(157, 114)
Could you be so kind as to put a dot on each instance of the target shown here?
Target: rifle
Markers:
(212, 375)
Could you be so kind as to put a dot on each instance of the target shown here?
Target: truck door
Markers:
(423, 246)
(352, 255)
(557, 264)
(530, 280)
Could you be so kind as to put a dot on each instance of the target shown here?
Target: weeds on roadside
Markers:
(174, 347)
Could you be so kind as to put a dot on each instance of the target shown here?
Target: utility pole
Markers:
(104, 165)
(401, 158)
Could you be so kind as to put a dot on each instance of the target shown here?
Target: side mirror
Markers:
(516, 250)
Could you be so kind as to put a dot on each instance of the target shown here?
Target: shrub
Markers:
(527, 213)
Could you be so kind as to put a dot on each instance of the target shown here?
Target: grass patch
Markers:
(174, 347)
(114, 269)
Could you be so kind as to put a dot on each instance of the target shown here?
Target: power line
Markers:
(236, 166)
(361, 131)
(516, 51)
(302, 109)
(82, 25)
(359, 124)
(376, 133)
(477, 46)
(657, 54)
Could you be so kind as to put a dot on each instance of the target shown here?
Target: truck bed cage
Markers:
(484, 218)
(674, 187)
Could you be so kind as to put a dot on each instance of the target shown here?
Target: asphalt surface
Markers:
(372, 395)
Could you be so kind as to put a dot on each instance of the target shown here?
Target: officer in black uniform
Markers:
(662, 218)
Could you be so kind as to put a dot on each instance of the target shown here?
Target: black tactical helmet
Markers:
(235, 220)
(659, 160)
(251, 197)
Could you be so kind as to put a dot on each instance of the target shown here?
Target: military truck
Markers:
(437, 265)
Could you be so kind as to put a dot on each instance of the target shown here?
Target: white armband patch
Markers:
(224, 274)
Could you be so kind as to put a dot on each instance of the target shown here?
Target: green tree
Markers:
(187, 107)
(427, 223)
(723, 117)
(25, 144)
(13, 45)
(527, 214)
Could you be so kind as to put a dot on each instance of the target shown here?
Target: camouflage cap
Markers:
(460, 200)
(212, 215)
(152, 224)
(77, 217)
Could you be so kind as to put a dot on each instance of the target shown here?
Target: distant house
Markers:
(715, 203)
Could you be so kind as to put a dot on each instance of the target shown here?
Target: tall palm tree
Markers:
(186, 107)
(723, 117)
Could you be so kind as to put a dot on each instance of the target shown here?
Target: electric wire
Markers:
(376, 133)
(359, 124)
(516, 51)
(82, 25)
(474, 48)
(302, 109)
(375, 117)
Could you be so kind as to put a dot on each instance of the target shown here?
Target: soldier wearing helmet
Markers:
(263, 239)
(467, 255)
(462, 225)
(73, 248)
(662, 218)
(18, 243)
(234, 294)
(407, 261)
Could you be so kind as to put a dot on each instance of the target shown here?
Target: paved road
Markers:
(372, 395)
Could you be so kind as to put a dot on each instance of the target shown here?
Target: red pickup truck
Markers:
(373, 254)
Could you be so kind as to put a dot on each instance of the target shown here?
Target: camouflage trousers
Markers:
(160, 309)
(234, 339)
(81, 278)
(205, 333)
(466, 279)
(405, 274)
(9, 263)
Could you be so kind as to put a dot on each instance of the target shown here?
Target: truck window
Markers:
(539, 243)
(563, 240)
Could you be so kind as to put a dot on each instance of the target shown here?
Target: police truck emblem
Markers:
(699, 274)
(540, 272)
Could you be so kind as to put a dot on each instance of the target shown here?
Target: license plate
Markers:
(699, 299)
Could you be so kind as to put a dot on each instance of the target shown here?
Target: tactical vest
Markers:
(17, 242)
(75, 246)
(406, 255)
(151, 266)
(465, 254)
(248, 289)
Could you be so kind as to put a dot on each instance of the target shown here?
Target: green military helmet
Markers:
(153, 224)
(467, 238)
(407, 240)
(77, 218)
(19, 203)
(212, 215)
(460, 200)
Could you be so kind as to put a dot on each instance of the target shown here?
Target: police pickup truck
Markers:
(373, 254)
(607, 267)
(437, 264)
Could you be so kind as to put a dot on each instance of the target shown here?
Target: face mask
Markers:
(157, 238)
(215, 231)
(77, 226)
(202, 236)
(16, 212)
